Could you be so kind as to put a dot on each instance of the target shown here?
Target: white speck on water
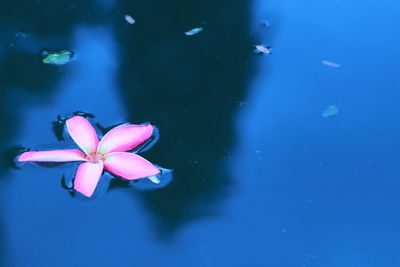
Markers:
(261, 49)
(330, 64)
(154, 179)
(194, 31)
(129, 19)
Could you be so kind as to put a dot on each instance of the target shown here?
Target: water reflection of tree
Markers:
(190, 88)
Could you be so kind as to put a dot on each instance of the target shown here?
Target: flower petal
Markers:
(87, 177)
(83, 133)
(129, 166)
(124, 138)
(53, 156)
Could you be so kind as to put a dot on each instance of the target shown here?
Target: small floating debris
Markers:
(330, 64)
(57, 57)
(154, 179)
(262, 49)
(194, 31)
(21, 35)
(129, 19)
(241, 103)
(332, 110)
(265, 23)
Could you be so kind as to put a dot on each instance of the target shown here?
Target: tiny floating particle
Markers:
(265, 23)
(330, 64)
(154, 179)
(21, 34)
(129, 19)
(241, 103)
(331, 110)
(194, 31)
(261, 49)
(57, 57)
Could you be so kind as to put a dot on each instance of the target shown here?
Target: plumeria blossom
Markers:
(109, 153)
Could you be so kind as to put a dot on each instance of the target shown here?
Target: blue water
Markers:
(261, 178)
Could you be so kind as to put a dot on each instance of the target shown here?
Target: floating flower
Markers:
(109, 154)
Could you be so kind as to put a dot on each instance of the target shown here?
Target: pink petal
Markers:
(87, 177)
(53, 156)
(129, 166)
(83, 134)
(124, 138)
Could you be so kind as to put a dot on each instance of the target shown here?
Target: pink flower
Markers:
(109, 154)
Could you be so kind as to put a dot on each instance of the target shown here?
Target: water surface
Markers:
(260, 177)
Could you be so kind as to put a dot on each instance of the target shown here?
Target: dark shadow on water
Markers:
(191, 89)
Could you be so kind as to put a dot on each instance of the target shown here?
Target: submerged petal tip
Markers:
(154, 179)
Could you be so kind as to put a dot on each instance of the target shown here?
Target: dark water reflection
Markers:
(190, 88)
